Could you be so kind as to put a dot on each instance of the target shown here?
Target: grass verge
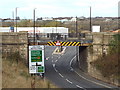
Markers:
(16, 75)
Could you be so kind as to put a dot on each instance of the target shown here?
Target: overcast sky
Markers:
(59, 8)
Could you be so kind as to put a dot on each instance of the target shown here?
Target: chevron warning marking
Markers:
(64, 43)
(73, 43)
(70, 43)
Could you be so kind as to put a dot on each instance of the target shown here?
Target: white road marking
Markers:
(52, 56)
(55, 69)
(68, 81)
(59, 57)
(72, 60)
(61, 75)
(92, 81)
(53, 65)
(86, 78)
(56, 60)
(79, 86)
(52, 60)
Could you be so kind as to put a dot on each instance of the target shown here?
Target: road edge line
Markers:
(84, 77)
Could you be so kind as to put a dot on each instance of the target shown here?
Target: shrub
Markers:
(109, 64)
(15, 57)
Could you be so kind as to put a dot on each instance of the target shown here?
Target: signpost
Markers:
(36, 59)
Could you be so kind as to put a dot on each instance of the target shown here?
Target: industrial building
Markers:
(41, 31)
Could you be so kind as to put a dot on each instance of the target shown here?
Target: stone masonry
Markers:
(99, 48)
(15, 41)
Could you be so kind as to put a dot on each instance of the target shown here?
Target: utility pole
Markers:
(13, 18)
(76, 27)
(119, 15)
(34, 25)
(56, 26)
(90, 20)
(16, 19)
(33, 75)
(76, 24)
(13, 15)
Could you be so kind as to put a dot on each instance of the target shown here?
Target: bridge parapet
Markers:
(42, 39)
(102, 38)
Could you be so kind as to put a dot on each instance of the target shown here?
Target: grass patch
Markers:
(15, 75)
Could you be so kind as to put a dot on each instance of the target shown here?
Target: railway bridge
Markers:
(88, 46)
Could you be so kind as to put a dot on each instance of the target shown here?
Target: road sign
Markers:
(36, 56)
(36, 59)
(58, 43)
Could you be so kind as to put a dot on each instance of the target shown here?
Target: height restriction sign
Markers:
(36, 59)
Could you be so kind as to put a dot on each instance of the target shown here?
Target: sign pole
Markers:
(32, 80)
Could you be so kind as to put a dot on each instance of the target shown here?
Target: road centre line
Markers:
(53, 65)
(69, 81)
(52, 60)
(56, 60)
(79, 86)
(61, 75)
(59, 57)
(84, 77)
(55, 69)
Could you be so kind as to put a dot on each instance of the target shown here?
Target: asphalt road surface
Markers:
(60, 71)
